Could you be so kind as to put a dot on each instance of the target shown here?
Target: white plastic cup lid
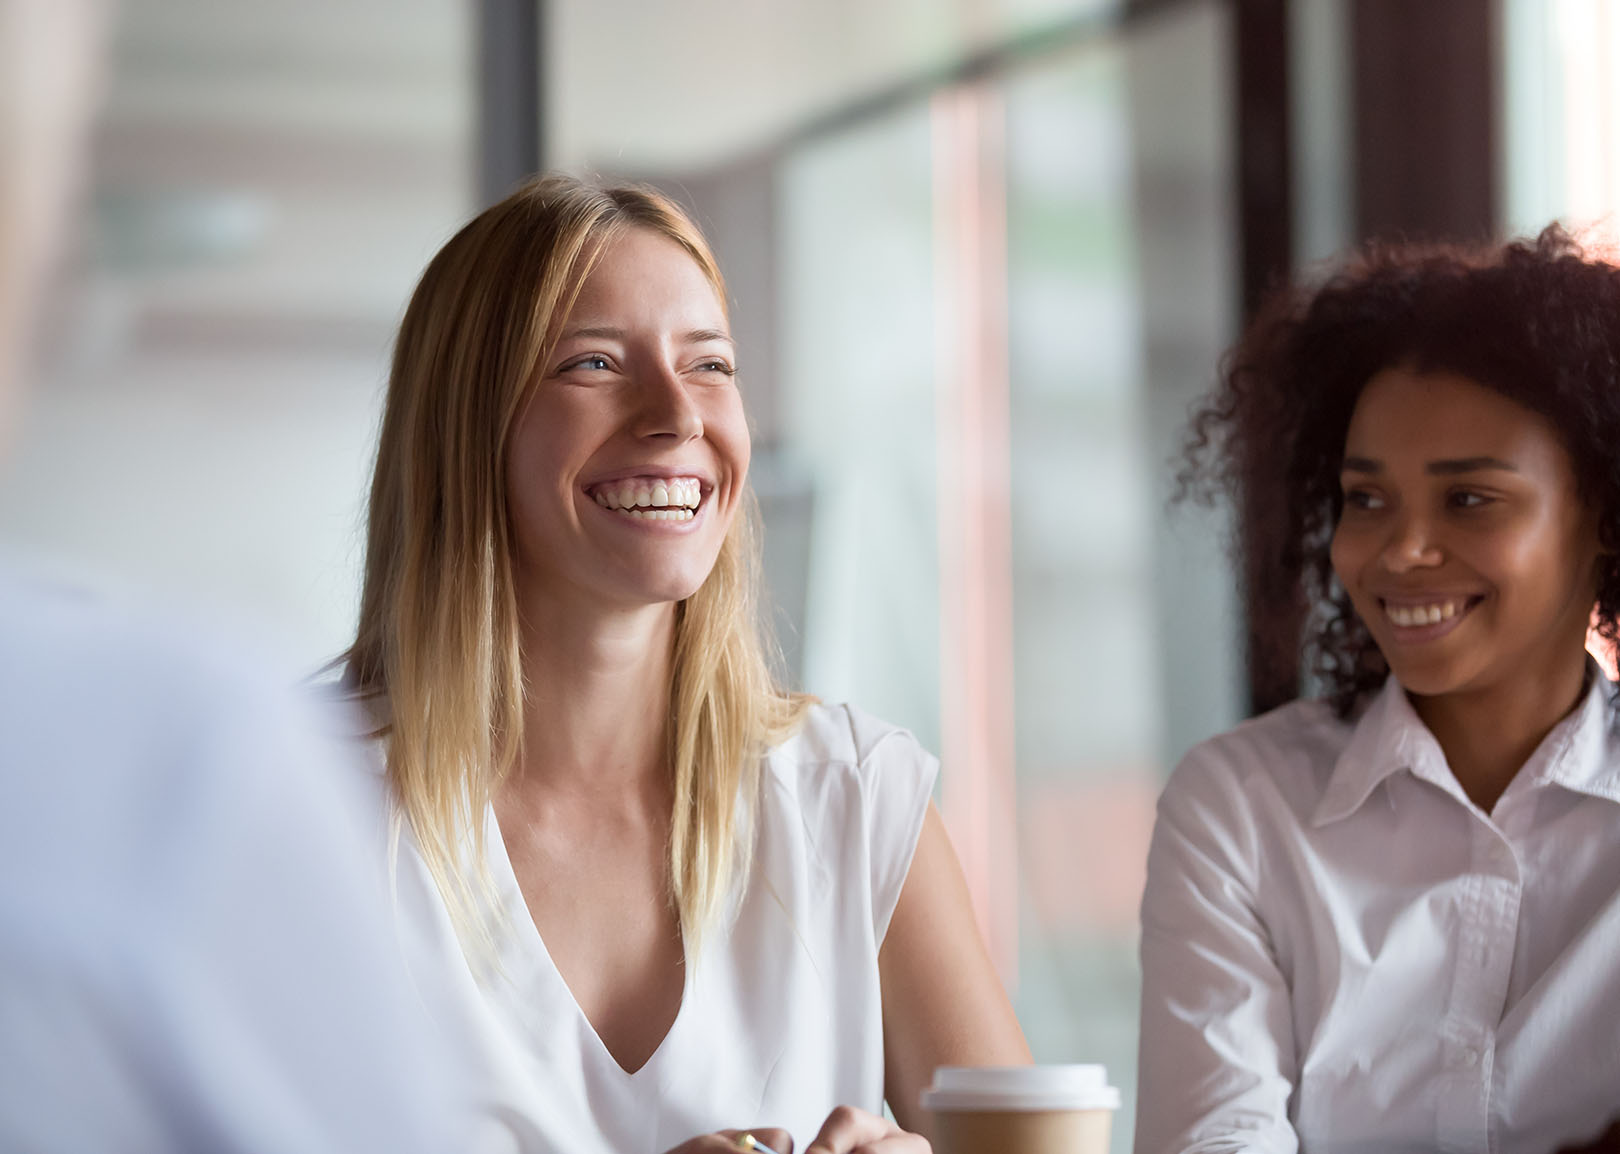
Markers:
(1021, 1088)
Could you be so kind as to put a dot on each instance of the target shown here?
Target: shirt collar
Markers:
(1581, 753)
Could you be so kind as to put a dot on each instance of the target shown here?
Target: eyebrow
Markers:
(608, 332)
(605, 331)
(1446, 468)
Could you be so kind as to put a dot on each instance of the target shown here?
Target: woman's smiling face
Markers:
(1463, 542)
(628, 461)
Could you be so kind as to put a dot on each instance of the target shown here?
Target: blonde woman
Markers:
(669, 902)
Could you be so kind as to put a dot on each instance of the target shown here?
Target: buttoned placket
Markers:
(1490, 898)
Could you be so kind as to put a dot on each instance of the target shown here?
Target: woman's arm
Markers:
(1217, 1061)
(943, 1004)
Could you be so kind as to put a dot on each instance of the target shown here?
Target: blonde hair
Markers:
(437, 648)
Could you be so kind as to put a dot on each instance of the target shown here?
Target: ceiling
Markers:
(679, 85)
(282, 171)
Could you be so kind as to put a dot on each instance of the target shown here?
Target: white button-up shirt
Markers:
(1341, 951)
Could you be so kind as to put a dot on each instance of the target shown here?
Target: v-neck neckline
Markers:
(527, 937)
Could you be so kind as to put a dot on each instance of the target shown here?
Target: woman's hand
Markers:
(851, 1131)
(847, 1130)
(730, 1141)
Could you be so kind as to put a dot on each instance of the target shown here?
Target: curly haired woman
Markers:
(1389, 918)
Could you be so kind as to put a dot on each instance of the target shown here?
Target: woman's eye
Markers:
(592, 363)
(1362, 499)
(721, 367)
(1465, 499)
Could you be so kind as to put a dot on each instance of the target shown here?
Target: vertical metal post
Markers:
(1424, 87)
(510, 99)
(1266, 240)
(1264, 161)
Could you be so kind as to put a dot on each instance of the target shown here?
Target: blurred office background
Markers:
(983, 253)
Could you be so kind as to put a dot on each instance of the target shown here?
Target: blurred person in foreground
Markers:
(690, 903)
(1389, 919)
(192, 951)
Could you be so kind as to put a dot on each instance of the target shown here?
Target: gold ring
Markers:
(747, 1142)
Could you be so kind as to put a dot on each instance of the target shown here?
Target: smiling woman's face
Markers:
(1463, 544)
(629, 459)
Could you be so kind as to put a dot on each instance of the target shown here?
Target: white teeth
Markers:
(1411, 616)
(673, 493)
(661, 514)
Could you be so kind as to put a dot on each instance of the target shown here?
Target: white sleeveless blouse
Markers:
(781, 1018)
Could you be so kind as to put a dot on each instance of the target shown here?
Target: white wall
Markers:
(267, 183)
(224, 479)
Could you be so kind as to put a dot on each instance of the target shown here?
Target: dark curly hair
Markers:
(1537, 321)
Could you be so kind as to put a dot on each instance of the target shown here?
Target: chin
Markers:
(675, 595)
(1430, 679)
(671, 588)
(657, 580)
(1425, 686)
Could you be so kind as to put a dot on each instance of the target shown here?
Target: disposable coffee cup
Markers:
(1022, 1109)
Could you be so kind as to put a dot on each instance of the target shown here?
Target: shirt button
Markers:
(1470, 1057)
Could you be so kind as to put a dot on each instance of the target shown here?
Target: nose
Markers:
(666, 408)
(1410, 545)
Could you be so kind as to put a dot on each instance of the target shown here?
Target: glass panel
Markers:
(1089, 712)
(1116, 176)
(994, 314)
(1561, 116)
(857, 414)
